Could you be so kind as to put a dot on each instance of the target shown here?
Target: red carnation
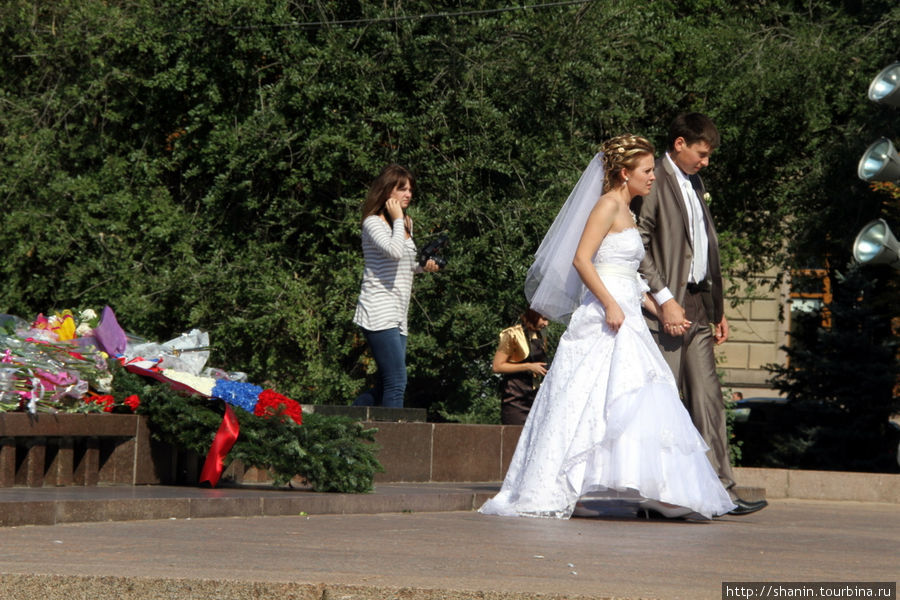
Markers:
(107, 402)
(132, 402)
(271, 403)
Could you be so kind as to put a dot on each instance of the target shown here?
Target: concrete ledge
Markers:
(459, 453)
(369, 413)
(52, 506)
(444, 452)
(823, 485)
(69, 424)
(78, 449)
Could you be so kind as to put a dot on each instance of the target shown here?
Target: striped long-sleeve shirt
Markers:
(390, 259)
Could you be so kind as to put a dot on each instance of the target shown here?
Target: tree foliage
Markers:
(202, 164)
(841, 384)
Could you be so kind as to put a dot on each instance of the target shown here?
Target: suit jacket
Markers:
(663, 222)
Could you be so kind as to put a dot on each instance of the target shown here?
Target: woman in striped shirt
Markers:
(390, 263)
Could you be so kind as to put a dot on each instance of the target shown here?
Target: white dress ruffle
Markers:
(608, 419)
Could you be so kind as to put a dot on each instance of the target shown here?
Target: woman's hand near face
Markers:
(394, 208)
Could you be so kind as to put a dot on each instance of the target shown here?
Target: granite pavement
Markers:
(420, 541)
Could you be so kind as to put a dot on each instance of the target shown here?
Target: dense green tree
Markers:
(840, 380)
(201, 164)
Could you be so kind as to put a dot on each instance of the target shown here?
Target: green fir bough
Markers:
(333, 454)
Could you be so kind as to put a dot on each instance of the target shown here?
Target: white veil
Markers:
(553, 286)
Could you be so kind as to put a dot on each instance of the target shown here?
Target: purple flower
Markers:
(242, 395)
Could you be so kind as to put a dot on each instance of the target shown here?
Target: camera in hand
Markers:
(432, 251)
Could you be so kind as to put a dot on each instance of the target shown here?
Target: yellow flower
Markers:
(65, 328)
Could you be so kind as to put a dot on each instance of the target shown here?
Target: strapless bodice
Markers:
(622, 248)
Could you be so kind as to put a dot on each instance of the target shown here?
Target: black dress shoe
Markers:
(745, 507)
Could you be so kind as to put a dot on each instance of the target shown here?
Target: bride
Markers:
(608, 421)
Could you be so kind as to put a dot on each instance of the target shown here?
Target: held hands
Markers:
(673, 320)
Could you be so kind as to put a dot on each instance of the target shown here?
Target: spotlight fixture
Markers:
(885, 88)
(880, 162)
(875, 244)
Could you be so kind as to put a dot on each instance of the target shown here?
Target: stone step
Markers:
(51, 506)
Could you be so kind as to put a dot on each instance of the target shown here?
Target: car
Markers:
(758, 408)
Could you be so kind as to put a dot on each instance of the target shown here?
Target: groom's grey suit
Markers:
(663, 222)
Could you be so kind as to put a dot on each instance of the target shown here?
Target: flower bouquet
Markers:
(51, 364)
(75, 361)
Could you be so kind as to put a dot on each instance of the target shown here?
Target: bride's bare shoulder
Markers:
(607, 203)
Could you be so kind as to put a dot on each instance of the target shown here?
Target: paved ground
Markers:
(453, 554)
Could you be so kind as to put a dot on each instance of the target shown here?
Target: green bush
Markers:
(202, 164)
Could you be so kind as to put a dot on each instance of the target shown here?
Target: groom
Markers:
(681, 265)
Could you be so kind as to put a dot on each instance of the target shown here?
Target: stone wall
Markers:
(59, 450)
(756, 337)
(79, 449)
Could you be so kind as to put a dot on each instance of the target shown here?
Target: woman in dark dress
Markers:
(521, 358)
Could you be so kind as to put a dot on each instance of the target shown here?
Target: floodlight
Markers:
(880, 162)
(875, 244)
(885, 88)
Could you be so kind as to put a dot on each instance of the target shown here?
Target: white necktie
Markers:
(698, 234)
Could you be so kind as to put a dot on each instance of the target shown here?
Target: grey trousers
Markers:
(693, 362)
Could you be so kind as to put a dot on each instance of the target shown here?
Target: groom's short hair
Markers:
(693, 127)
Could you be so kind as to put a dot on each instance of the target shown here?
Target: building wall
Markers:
(757, 333)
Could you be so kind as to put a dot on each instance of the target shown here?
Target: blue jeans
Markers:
(388, 348)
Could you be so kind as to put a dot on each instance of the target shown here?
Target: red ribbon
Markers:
(221, 446)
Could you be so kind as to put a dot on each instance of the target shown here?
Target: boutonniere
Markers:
(707, 198)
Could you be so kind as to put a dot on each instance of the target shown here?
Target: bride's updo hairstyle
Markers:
(620, 153)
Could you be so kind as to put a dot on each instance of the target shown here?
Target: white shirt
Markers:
(387, 278)
(697, 230)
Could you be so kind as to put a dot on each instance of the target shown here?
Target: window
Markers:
(810, 295)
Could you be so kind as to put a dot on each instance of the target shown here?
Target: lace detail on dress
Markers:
(622, 248)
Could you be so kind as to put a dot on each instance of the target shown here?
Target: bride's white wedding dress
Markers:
(608, 418)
